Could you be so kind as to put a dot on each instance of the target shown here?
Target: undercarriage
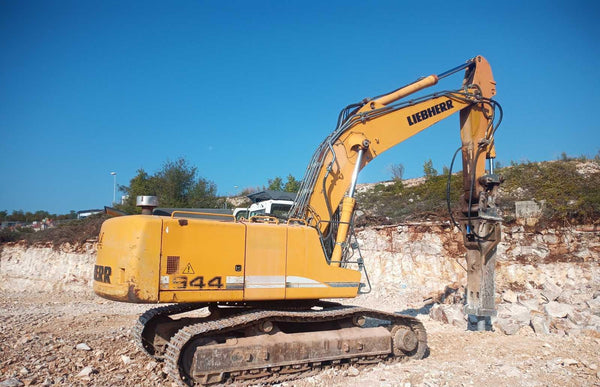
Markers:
(272, 342)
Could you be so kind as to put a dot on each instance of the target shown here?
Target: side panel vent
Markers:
(172, 264)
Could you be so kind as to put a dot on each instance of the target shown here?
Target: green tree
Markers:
(176, 185)
(139, 185)
(292, 185)
(275, 184)
(428, 170)
(17, 216)
(204, 194)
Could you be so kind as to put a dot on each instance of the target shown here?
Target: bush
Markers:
(8, 235)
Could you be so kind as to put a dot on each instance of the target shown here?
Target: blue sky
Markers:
(246, 90)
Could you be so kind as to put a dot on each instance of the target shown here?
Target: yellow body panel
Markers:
(309, 276)
(163, 259)
(203, 254)
(265, 261)
(127, 265)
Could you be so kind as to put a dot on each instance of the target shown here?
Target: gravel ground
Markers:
(80, 339)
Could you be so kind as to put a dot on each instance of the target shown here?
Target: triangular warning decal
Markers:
(189, 269)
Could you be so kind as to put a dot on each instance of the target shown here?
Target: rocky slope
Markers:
(548, 280)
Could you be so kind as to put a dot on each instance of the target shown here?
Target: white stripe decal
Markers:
(265, 282)
(265, 286)
(275, 282)
(293, 281)
(238, 279)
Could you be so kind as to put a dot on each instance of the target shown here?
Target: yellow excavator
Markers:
(248, 299)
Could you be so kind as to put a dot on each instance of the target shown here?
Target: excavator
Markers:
(257, 301)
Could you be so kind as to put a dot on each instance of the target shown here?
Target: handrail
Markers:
(202, 213)
(297, 220)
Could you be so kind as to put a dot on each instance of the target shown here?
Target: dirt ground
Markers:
(80, 339)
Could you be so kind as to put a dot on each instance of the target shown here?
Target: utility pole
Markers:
(114, 187)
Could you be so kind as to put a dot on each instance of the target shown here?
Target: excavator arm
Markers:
(370, 128)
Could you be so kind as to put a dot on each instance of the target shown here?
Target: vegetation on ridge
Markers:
(568, 191)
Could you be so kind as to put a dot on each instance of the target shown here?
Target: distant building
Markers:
(85, 213)
(11, 224)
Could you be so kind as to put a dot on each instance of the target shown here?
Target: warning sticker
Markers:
(189, 269)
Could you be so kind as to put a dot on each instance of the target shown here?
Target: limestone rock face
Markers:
(429, 257)
(404, 258)
(47, 269)
(547, 280)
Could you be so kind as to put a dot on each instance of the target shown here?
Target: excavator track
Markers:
(249, 347)
(155, 327)
(146, 331)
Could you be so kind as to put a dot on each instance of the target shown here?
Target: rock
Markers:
(83, 347)
(577, 318)
(569, 362)
(506, 326)
(529, 301)
(594, 305)
(562, 326)
(87, 371)
(566, 297)
(125, 359)
(557, 309)
(11, 382)
(448, 314)
(435, 313)
(526, 330)
(540, 325)
(514, 312)
(23, 371)
(509, 296)
(454, 315)
(151, 365)
(550, 291)
(353, 371)
(594, 322)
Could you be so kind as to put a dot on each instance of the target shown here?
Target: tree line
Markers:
(178, 185)
(28, 217)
